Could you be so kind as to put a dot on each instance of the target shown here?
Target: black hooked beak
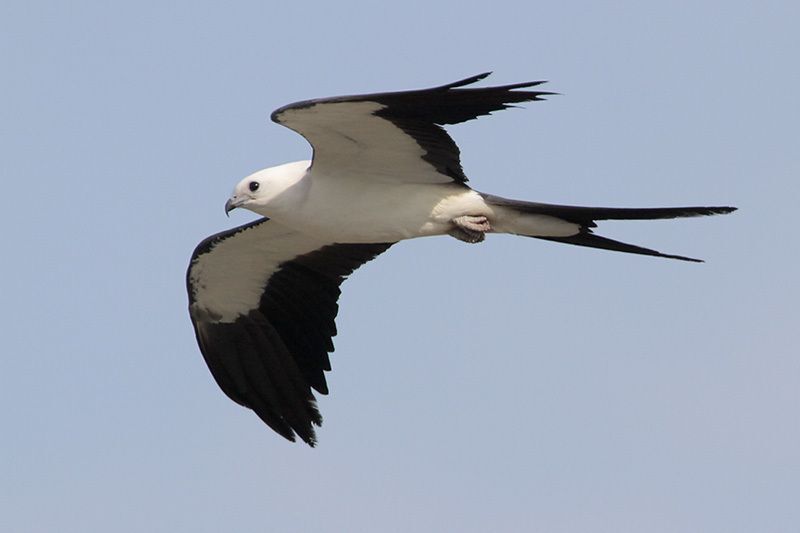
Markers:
(232, 204)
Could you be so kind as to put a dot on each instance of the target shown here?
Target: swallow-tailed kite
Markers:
(263, 296)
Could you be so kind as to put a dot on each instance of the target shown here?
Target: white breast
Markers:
(354, 209)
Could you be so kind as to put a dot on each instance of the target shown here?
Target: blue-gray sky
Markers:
(513, 386)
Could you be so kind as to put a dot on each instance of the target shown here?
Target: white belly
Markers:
(359, 210)
(364, 209)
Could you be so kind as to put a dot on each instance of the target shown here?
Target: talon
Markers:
(471, 228)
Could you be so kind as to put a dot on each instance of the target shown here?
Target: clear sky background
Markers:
(517, 385)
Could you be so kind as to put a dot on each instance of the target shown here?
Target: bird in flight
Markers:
(263, 296)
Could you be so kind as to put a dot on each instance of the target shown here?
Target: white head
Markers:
(266, 188)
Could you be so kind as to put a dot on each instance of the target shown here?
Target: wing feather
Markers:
(397, 135)
(263, 302)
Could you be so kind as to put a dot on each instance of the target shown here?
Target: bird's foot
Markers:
(470, 228)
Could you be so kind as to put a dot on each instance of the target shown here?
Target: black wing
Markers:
(396, 135)
(263, 300)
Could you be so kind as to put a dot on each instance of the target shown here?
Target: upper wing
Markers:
(263, 299)
(396, 135)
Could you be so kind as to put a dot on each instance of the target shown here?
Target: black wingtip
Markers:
(465, 81)
(484, 75)
(522, 85)
(289, 431)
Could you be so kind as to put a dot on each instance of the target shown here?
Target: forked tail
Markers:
(585, 217)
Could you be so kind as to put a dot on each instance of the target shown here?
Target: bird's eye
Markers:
(253, 186)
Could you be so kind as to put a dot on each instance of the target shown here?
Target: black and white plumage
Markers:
(263, 296)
